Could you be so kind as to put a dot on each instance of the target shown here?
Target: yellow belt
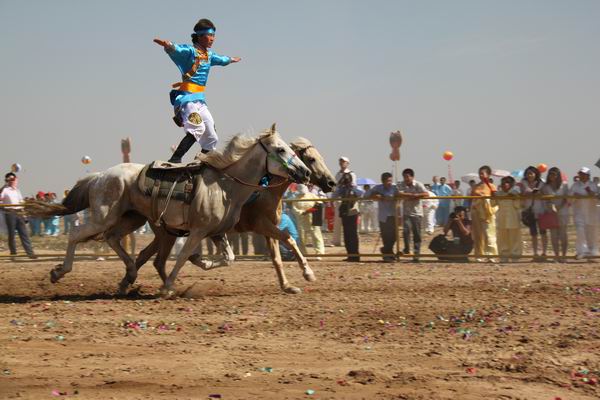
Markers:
(188, 87)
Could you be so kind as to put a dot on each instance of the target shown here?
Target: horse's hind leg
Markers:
(78, 235)
(278, 265)
(128, 223)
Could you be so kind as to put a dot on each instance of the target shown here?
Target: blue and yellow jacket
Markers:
(194, 66)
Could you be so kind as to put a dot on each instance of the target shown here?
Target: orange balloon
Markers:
(542, 168)
(448, 155)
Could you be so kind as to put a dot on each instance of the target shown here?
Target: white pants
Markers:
(429, 218)
(587, 239)
(368, 217)
(198, 121)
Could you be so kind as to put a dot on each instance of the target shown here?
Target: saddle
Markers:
(161, 179)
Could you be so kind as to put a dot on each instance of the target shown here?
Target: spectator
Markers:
(456, 191)
(483, 217)
(343, 172)
(467, 203)
(287, 225)
(555, 186)
(348, 211)
(443, 210)
(35, 223)
(462, 243)
(412, 191)
(585, 215)
(429, 206)
(531, 186)
(51, 224)
(304, 222)
(368, 214)
(10, 194)
(386, 193)
(508, 220)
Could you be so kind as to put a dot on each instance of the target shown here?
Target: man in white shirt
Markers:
(585, 214)
(10, 194)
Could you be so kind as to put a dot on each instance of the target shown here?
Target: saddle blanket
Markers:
(159, 177)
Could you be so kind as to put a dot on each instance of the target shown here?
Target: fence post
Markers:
(397, 227)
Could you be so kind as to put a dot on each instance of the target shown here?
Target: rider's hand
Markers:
(235, 59)
(163, 43)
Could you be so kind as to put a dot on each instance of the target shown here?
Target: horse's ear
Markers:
(274, 127)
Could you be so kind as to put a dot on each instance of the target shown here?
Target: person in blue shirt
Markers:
(387, 194)
(287, 225)
(443, 211)
(187, 97)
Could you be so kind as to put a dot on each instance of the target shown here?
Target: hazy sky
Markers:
(505, 83)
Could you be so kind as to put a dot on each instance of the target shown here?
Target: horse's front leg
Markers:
(289, 242)
(270, 230)
(187, 250)
(278, 265)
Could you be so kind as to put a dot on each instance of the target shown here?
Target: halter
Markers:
(265, 181)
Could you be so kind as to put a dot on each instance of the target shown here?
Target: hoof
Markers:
(292, 290)
(167, 294)
(310, 277)
(123, 286)
(54, 276)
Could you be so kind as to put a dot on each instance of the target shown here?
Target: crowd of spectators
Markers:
(490, 227)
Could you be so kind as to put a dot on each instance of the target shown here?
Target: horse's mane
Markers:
(300, 143)
(234, 150)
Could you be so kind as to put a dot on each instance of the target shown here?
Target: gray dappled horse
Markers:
(260, 216)
(219, 196)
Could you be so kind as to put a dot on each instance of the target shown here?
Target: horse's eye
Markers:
(310, 160)
(281, 150)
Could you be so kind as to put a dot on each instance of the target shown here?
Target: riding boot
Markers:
(185, 144)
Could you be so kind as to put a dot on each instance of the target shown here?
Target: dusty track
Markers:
(370, 330)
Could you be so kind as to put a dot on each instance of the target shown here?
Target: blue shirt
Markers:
(442, 190)
(287, 225)
(386, 207)
(184, 55)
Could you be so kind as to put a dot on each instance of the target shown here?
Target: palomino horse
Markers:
(220, 193)
(261, 216)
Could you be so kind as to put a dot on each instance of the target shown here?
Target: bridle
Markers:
(265, 181)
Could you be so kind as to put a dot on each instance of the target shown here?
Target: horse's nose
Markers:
(330, 184)
(307, 173)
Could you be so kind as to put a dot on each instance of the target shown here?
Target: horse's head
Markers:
(320, 174)
(281, 159)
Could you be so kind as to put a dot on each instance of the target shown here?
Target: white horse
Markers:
(220, 192)
(260, 216)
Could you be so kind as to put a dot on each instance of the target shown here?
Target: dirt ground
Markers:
(362, 331)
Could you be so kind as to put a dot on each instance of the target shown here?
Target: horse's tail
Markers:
(78, 199)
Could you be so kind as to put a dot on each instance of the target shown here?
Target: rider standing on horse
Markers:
(187, 97)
